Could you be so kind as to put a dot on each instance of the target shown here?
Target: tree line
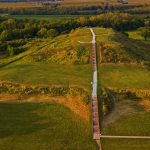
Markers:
(14, 33)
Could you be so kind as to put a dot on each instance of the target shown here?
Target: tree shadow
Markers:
(136, 49)
(20, 119)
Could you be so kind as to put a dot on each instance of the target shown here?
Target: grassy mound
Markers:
(113, 47)
(116, 47)
(64, 49)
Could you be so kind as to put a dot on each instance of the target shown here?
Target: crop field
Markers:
(68, 3)
(98, 2)
(19, 5)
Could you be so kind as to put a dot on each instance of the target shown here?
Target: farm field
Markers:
(67, 3)
(19, 5)
(95, 2)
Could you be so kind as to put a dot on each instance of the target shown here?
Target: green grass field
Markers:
(123, 144)
(49, 74)
(124, 76)
(137, 37)
(134, 122)
(43, 126)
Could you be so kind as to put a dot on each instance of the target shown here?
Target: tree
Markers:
(5, 35)
(145, 32)
(9, 24)
(52, 33)
(10, 51)
(42, 32)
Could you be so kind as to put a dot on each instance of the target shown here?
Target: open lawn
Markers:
(124, 76)
(130, 125)
(134, 120)
(49, 74)
(124, 144)
(43, 126)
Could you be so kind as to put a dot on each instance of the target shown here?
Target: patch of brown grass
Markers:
(125, 108)
(146, 104)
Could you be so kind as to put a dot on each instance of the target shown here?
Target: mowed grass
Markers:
(134, 123)
(49, 74)
(130, 125)
(124, 76)
(39, 126)
(103, 35)
(125, 144)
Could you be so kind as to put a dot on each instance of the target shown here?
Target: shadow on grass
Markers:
(136, 49)
(20, 119)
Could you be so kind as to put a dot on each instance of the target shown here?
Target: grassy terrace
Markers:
(37, 65)
(49, 74)
(124, 76)
(43, 126)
